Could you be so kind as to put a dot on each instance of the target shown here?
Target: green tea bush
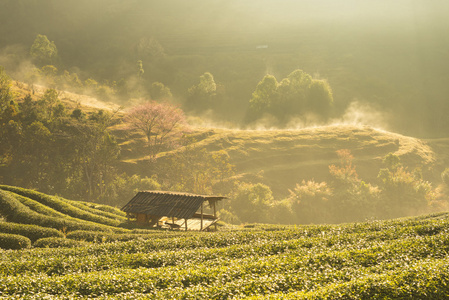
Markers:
(33, 232)
(54, 242)
(62, 206)
(395, 259)
(88, 236)
(101, 210)
(96, 236)
(15, 211)
(14, 241)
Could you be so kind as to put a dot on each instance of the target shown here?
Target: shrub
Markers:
(14, 241)
(310, 202)
(104, 237)
(54, 242)
(33, 232)
(252, 202)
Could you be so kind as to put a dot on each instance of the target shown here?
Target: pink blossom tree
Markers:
(160, 122)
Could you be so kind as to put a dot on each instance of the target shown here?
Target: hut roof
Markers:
(169, 204)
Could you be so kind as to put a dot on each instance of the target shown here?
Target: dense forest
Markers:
(381, 57)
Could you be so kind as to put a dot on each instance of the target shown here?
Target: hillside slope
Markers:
(25, 206)
(282, 158)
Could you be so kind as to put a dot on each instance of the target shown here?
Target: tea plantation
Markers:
(61, 249)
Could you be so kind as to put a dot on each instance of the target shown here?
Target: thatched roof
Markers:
(168, 204)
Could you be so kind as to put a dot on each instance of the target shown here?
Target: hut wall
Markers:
(141, 219)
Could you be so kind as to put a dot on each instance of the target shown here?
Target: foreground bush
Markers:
(14, 241)
(100, 210)
(88, 236)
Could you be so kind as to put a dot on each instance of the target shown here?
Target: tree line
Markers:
(296, 98)
(58, 149)
(345, 197)
(409, 86)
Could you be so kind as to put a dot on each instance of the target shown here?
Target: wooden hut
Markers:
(177, 210)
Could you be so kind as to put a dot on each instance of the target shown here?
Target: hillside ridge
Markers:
(286, 157)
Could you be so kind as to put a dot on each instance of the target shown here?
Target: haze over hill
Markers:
(279, 159)
(392, 56)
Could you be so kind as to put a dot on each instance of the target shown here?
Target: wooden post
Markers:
(185, 223)
(201, 216)
(215, 214)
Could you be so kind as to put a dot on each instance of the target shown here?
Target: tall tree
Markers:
(262, 98)
(158, 91)
(195, 169)
(140, 69)
(44, 50)
(297, 95)
(201, 97)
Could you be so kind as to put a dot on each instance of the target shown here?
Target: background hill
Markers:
(278, 158)
(109, 160)
(282, 158)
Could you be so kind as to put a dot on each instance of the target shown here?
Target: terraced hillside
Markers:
(33, 208)
(394, 259)
(282, 158)
(42, 220)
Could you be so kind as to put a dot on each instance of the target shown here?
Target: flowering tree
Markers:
(158, 121)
